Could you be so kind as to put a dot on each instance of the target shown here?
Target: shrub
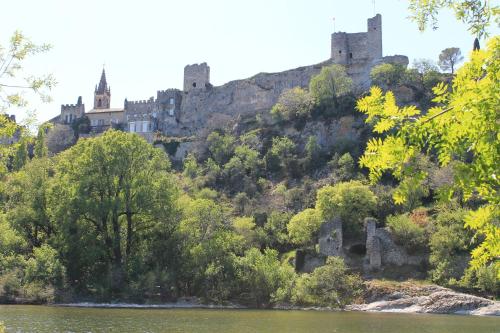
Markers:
(263, 278)
(406, 233)
(351, 201)
(449, 244)
(220, 146)
(304, 226)
(245, 226)
(484, 278)
(275, 228)
(39, 292)
(191, 168)
(330, 88)
(420, 217)
(10, 284)
(330, 285)
(387, 75)
(295, 103)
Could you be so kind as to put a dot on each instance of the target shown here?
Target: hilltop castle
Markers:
(200, 105)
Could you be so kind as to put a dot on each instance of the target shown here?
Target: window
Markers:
(99, 103)
(100, 122)
(66, 119)
(93, 122)
(171, 112)
(194, 84)
(131, 126)
(145, 125)
(350, 55)
(171, 101)
(340, 51)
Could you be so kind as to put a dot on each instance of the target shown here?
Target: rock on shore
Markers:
(432, 299)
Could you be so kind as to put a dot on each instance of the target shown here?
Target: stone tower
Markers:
(375, 37)
(361, 47)
(102, 93)
(72, 112)
(196, 76)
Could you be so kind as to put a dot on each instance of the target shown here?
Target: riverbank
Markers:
(409, 297)
(379, 296)
(426, 299)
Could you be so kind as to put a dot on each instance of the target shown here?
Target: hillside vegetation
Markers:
(110, 217)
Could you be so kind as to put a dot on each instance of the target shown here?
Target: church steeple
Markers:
(103, 85)
(102, 94)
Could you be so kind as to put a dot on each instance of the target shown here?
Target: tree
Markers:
(26, 201)
(209, 249)
(351, 201)
(111, 193)
(449, 58)
(41, 149)
(220, 146)
(21, 155)
(280, 154)
(387, 75)
(477, 14)
(276, 229)
(330, 86)
(263, 277)
(462, 131)
(304, 226)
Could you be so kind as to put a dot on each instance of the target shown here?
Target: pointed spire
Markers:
(103, 85)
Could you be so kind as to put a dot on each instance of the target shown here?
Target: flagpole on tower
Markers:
(374, 10)
(334, 24)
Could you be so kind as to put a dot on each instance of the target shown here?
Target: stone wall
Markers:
(71, 112)
(242, 97)
(330, 238)
(373, 247)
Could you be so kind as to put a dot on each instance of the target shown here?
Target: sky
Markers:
(144, 45)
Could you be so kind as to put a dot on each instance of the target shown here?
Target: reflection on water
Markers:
(45, 319)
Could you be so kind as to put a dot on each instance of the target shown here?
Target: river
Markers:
(45, 319)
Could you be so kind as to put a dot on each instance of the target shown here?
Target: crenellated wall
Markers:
(72, 112)
(200, 106)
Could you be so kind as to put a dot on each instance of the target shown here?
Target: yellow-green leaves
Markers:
(383, 111)
(462, 130)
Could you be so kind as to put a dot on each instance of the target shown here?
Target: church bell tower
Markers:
(102, 93)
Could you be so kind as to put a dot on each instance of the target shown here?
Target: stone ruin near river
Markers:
(374, 253)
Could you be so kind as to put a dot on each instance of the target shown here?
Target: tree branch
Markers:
(437, 115)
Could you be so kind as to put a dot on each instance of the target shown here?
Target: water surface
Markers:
(45, 319)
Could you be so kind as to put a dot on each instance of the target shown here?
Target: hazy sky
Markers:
(146, 44)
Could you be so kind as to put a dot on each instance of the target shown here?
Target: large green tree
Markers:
(116, 192)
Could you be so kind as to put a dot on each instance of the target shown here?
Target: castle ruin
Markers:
(183, 113)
